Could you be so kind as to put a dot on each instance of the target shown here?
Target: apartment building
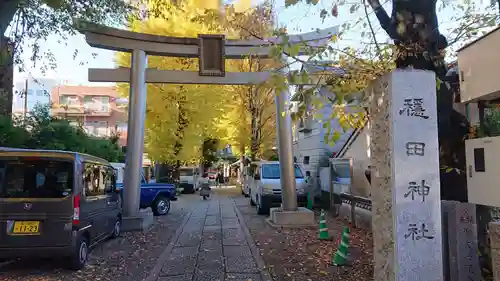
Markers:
(97, 108)
(38, 92)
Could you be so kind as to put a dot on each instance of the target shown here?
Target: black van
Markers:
(56, 204)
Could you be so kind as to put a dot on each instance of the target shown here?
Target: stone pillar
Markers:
(406, 210)
(495, 249)
(285, 150)
(462, 242)
(446, 206)
(135, 136)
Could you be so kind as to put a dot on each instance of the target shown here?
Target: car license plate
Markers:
(26, 228)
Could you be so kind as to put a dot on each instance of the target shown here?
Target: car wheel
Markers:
(81, 254)
(161, 206)
(251, 200)
(117, 229)
(262, 210)
(242, 192)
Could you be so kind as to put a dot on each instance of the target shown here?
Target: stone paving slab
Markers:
(209, 276)
(183, 277)
(214, 234)
(233, 237)
(242, 277)
(189, 238)
(210, 261)
(181, 261)
(239, 259)
(228, 214)
(213, 220)
(212, 246)
(230, 222)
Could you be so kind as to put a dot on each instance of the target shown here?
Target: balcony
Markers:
(80, 110)
(478, 66)
(67, 110)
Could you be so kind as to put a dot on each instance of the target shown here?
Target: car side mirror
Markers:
(117, 191)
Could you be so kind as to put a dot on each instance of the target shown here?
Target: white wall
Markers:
(312, 143)
(359, 151)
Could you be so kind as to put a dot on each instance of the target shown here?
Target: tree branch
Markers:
(379, 51)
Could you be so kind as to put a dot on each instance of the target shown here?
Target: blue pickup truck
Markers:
(155, 195)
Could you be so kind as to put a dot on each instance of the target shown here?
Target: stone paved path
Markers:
(213, 244)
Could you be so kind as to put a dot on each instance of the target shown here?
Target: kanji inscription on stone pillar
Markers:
(211, 55)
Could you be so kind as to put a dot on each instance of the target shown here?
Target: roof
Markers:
(315, 67)
(478, 39)
(319, 66)
(61, 152)
(352, 138)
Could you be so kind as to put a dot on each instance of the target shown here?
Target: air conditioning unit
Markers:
(483, 162)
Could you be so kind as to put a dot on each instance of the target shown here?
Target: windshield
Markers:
(272, 171)
(35, 178)
(186, 172)
(342, 170)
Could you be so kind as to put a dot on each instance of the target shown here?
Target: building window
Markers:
(96, 103)
(68, 100)
(306, 160)
(41, 93)
(97, 128)
(121, 127)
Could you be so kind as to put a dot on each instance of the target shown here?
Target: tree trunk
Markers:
(255, 123)
(181, 125)
(420, 45)
(6, 77)
(8, 9)
(256, 137)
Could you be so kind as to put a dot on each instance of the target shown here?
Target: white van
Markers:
(264, 185)
(120, 171)
(188, 179)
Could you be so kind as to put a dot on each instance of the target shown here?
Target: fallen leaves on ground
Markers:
(130, 257)
(298, 255)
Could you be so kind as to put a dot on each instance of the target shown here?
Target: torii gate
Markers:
(211, 50)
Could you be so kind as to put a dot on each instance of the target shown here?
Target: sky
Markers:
(298, 19)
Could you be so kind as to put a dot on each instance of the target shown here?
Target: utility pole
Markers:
(25, 97)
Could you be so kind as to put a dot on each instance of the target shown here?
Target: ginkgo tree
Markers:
(252, 103)
(178, 117)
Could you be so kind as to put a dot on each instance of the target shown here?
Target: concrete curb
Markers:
(155, 272)
(264, 273)
(291, 226)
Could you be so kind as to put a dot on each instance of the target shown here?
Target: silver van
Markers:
(264, 185)
(56, 204)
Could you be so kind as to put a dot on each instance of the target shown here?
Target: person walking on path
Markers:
(219, 179)
(204, 186)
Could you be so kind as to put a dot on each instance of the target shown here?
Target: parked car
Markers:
(265, 186)
(188, 179)
(212, 175)
(56, 204)
(158, 196)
